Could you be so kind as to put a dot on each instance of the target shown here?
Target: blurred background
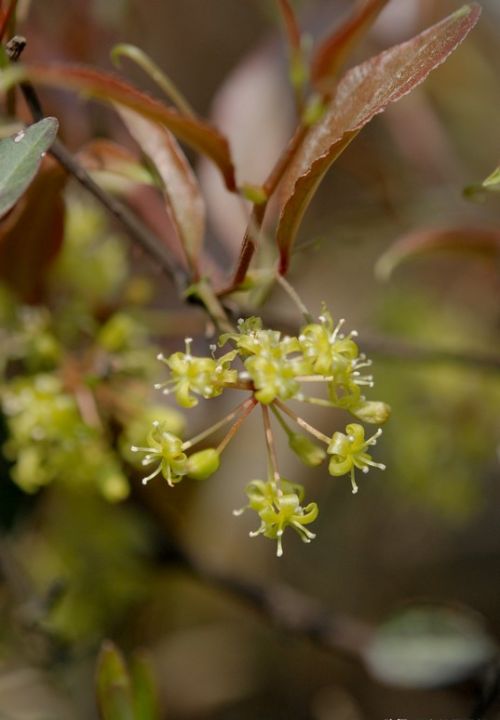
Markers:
(76, 569)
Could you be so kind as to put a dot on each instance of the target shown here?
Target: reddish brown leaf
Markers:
(108, 87)
(182, 193)
(478, 241)
(105, 156)
(333, 51)
(363, 92)
(291, 25)
(32, 234)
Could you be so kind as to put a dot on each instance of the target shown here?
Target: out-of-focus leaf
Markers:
(20, 158)
(32, 235)
(479, 241)
(108, 87)
(298, 72)
(104, 156)
(290, 22)
(333, 51)
(490, 184)
(145, 699)
(363, 92)
(183, 196)
(429, 646)
(114, 692)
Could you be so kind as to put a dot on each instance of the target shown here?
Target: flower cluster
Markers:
(273, 368)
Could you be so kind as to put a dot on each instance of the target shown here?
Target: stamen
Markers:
(153, 474)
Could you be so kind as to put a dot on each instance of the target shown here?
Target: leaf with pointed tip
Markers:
(489, 184)
(114, 691)
(182, 193)
(292, 29)
(363, 92)
(478, 241)
(109, 87)
(20, 158)
(333, 51)
(32, 235)
(492, 182)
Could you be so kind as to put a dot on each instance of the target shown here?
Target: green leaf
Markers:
(145, 699)
(110, 88)
(182, 193)
(363, 92)
(114, 692)
(333, 51)
(483, 242)
(20, 158)
(429, 646)
(492, 182)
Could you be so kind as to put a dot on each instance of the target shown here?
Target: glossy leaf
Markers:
(182, 192)
(32, 235)
(363, 92)
(334, 50)
(20, 158)
(428, 647)
(114, 692)
(108, 87)
(478, 241)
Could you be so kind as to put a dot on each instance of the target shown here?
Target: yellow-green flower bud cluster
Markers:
(48, 439)
(273, 368)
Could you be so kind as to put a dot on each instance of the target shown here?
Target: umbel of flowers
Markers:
(271, 369)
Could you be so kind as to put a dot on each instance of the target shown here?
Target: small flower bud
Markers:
(310, 453)
(372, 411)
(202, 464)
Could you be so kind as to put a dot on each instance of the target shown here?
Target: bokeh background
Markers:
(426, 529)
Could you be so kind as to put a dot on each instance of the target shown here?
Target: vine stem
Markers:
(303, 423)
(270, 444)
(295, 297)
(251, 403)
